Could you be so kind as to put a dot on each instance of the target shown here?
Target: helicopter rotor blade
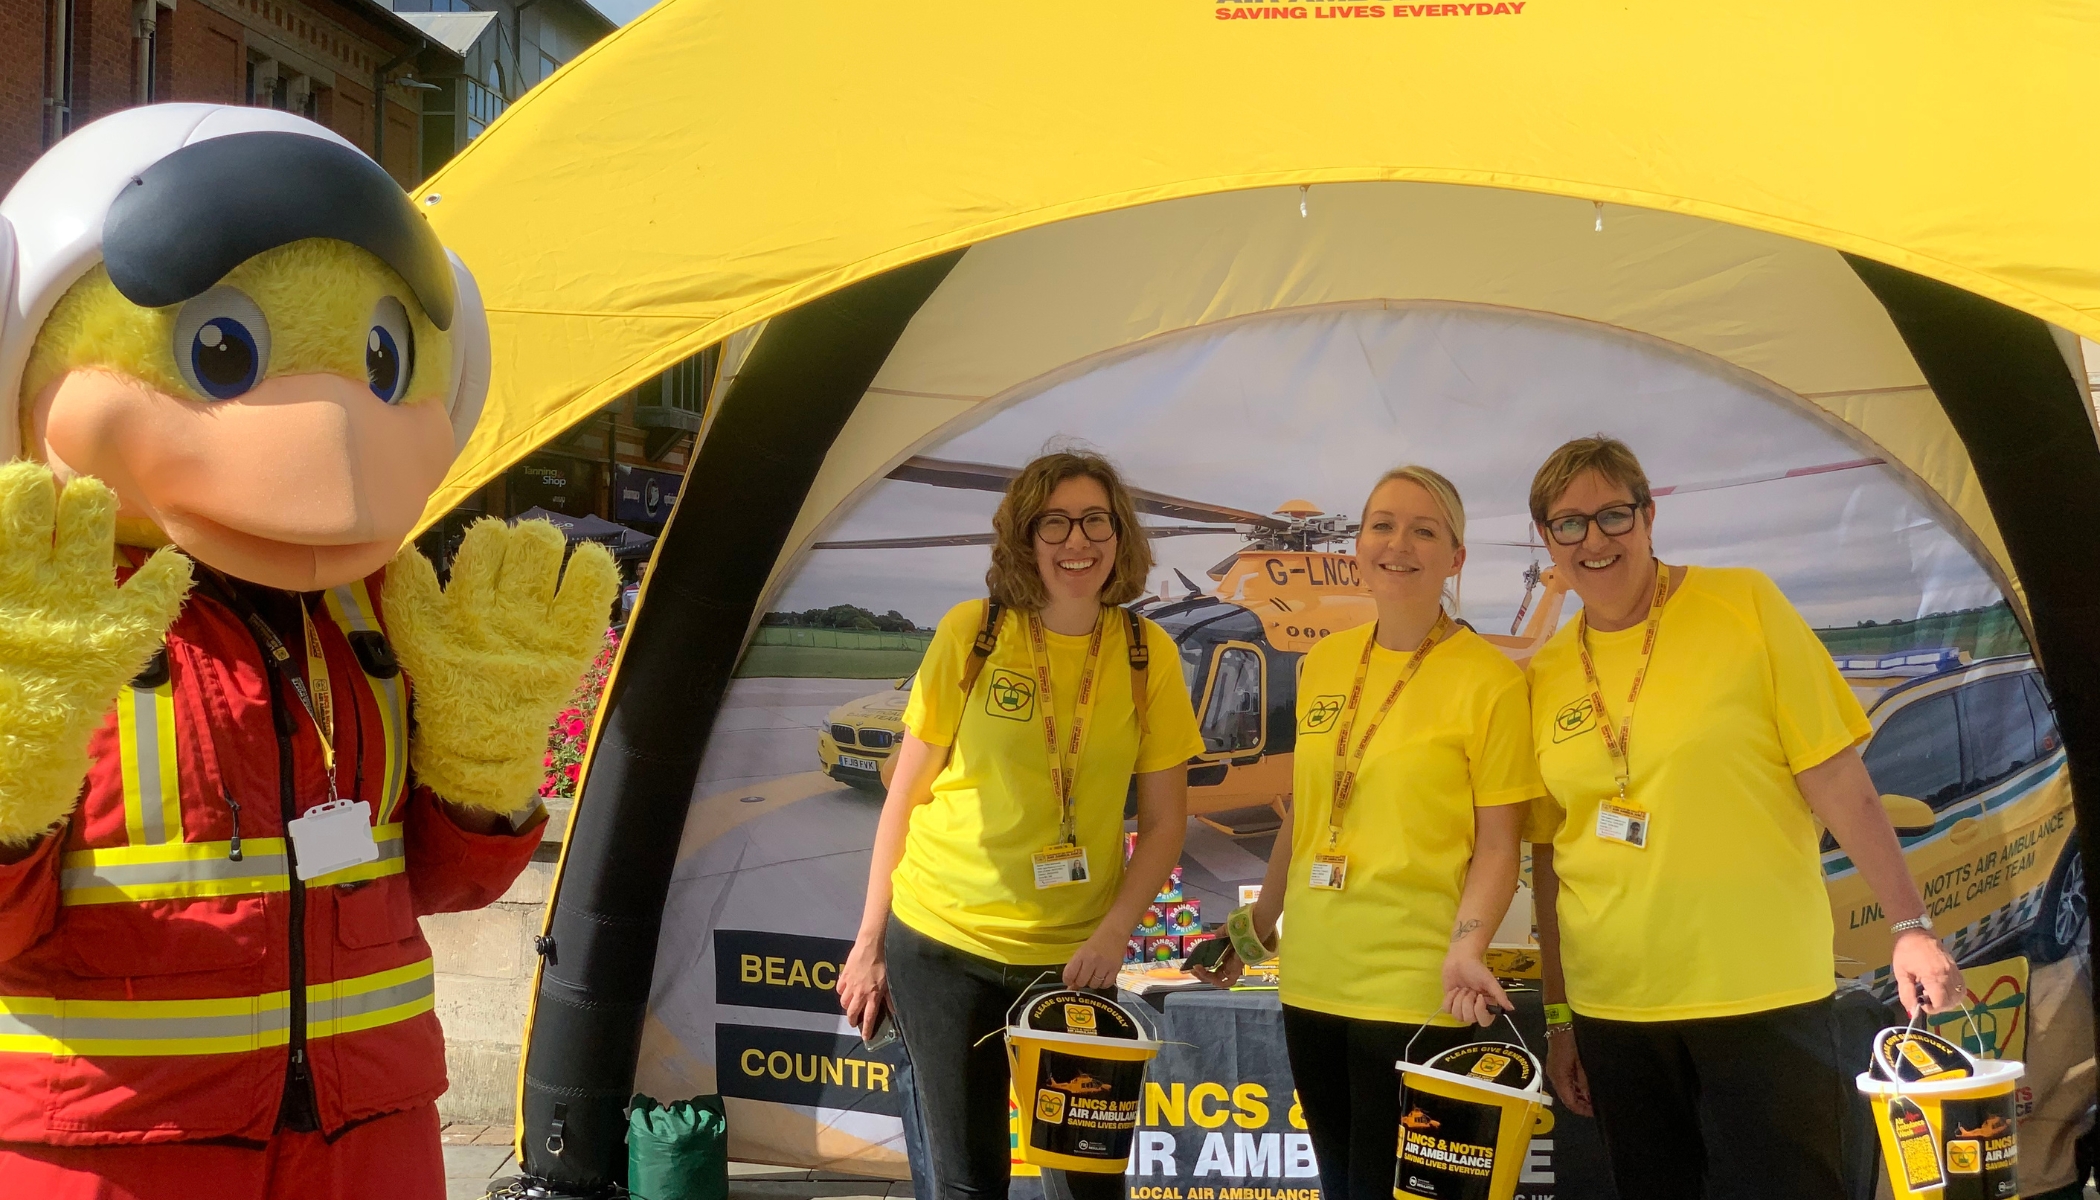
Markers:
(992, 477)
(986, 539)
(1714, 485)
(910, 543)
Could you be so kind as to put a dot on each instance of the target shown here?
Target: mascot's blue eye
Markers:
(222, 343)
(223, 356)
(389, 350)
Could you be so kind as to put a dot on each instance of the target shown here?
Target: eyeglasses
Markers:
(1570, 530)
(1056, 528)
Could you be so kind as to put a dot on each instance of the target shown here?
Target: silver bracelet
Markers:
(1902, 927)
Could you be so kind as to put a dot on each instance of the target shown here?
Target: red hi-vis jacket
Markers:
(162, 974)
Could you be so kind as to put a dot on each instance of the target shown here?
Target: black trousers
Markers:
(1350, 1093)
(946, 1001)
(1727, 1108)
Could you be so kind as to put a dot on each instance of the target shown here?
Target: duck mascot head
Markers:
(246, 737)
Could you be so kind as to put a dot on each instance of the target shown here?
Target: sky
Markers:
(1317, 406)
(622, 11)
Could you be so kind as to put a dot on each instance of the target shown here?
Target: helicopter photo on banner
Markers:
(1250, 445)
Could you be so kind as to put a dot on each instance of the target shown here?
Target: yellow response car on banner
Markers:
(1972, 770)
(858, 744)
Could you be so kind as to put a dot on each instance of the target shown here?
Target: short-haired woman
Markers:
(1692, 730)
(998, 860)
(1413, 768)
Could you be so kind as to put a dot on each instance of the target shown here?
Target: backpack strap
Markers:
(1140, 660)
(980, 650)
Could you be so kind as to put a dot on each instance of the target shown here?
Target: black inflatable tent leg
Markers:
(2010, 393)
(743, 491)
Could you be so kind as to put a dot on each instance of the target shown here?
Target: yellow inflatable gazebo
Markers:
(901, 218)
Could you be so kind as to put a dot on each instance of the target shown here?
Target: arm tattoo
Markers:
(1464, 927)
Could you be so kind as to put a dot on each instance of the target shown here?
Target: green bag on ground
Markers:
(678, 1151)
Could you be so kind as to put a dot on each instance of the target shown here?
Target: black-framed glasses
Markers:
(1570, 530)
(1056, 528)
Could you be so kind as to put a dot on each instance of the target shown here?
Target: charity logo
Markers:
(1575, 718)
(1320, 714)
(1011, 695)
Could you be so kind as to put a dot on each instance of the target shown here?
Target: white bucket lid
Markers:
(1988, 1071)
(1533, 1093)
(1093, 1040)
(1018, 1026)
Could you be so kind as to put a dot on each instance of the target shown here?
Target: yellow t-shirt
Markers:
(1459, 738)
(1725, 911)
(967, 877)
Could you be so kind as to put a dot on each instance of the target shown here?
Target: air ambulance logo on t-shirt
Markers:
(1579, 717)
(1320, 714)
(1011, 695)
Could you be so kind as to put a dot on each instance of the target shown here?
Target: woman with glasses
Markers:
(1692, 732)
(1413, 768)
(998, 859)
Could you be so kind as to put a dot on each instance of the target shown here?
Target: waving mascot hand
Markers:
(239, 755)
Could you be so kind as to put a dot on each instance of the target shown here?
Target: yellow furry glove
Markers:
(495, 656)
(70, 638)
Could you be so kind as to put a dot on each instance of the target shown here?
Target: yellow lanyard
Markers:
(1064, 759)
(321, 705)
(1346, 764)
(1615, 744)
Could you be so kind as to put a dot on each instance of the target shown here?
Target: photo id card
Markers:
(332, 836)
(1060, 866)
(1624, 824)
(1329, 871)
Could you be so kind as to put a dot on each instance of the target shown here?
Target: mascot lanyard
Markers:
(1330, 869)
(1620, 819)
(315, 694)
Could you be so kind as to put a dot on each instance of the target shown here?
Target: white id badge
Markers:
(1060, 866)
(1329, 872)
(333, 836)
(1623, 824)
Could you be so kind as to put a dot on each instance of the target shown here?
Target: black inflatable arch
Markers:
(1999, 374)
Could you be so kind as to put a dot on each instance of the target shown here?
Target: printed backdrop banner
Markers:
(1253, 443)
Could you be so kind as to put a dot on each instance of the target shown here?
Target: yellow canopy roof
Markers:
(716, 163)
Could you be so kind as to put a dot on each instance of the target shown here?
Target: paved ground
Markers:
(477, 1154)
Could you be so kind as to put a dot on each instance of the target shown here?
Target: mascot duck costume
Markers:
(240, 753)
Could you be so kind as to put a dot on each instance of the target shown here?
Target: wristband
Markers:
(1239, 928)
(1559, 1014)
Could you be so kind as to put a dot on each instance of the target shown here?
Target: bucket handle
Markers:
(1033, 987)
(1968, 1016)
(1407, 1053)
(1143, 1020)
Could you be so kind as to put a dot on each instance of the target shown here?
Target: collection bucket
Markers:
(1466, 1118)
(1947, 1120)
(1079, 1074)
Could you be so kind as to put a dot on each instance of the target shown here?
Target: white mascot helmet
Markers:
(151, 191)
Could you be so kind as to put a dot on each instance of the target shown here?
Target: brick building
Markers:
(447, 67)
(65, 62)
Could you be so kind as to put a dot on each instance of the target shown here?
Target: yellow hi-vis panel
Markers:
(191, 870)
(234, 1025)
(146, 745)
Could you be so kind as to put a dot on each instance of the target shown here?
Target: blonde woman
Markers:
(1413, 768)
(998, 859)
(1692, 730)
